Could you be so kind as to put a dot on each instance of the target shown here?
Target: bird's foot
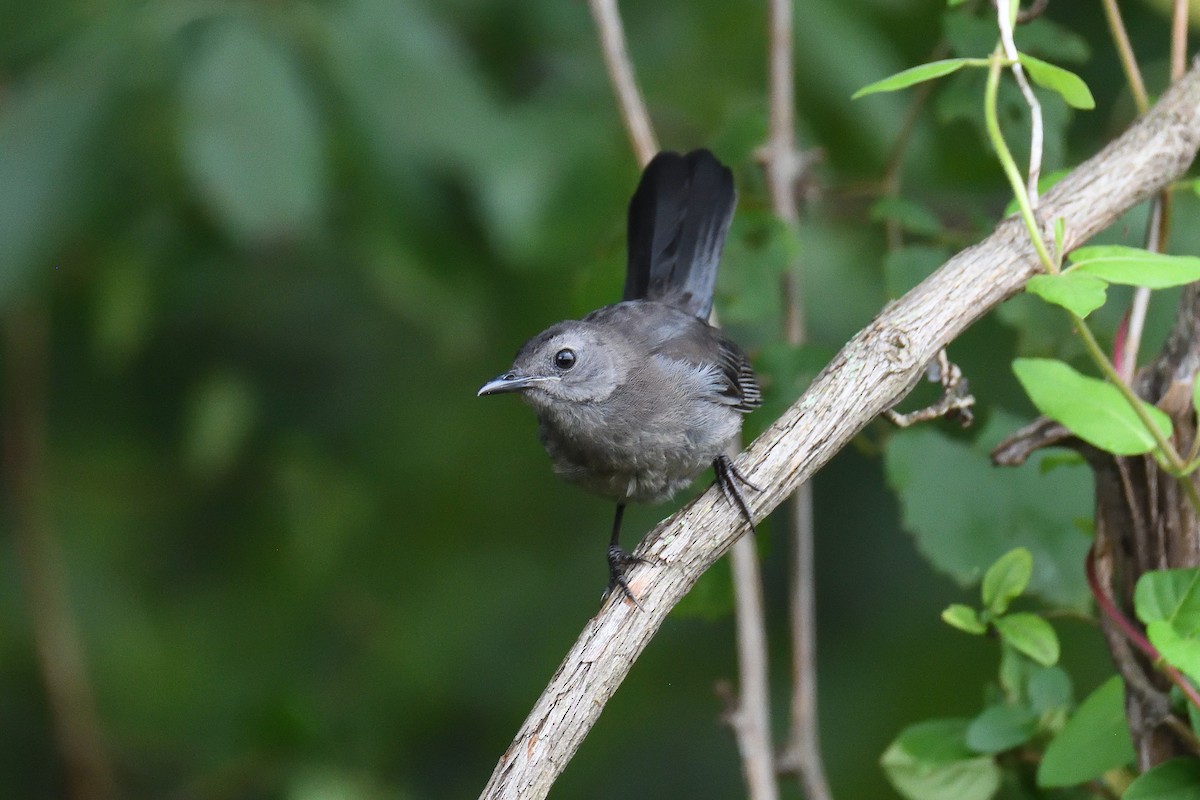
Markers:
(728, 478)
(618, 562)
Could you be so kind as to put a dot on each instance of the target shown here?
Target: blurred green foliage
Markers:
(281, 244)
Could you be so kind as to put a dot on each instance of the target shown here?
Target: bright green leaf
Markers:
(1030, 634)
(1171, 595)
(1095, 739)
(1094, 411)
(1021, 507)
(1006, 579)
(1075, 291)
(1136, 267)
(1001, 728)
(1069, 85)
(1168, 601)
(1177, 649)
(931, 761)
(251, 137)
(1177, 779)
(914, 75)
(964, 618)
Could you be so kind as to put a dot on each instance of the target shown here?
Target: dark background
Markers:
(276, 247)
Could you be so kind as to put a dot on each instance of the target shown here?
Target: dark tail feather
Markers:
(678, 219)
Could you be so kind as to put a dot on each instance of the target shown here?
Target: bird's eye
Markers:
(564, 359)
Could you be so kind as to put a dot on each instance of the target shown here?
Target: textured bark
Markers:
(1145, 522)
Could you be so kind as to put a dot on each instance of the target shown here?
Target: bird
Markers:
(638, 398)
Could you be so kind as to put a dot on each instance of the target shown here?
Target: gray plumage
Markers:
(638, 398)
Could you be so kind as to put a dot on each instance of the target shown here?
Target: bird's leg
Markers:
(728, 478)
(619, 560)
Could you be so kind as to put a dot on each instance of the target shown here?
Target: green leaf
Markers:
(1196, 394)
(931, 761)
(1072, 88)
(1001, 728)
(1049, 688)
(252, 141)
(1020, 507)
(964, 618)
(1136, 267)
(1030, 634)
(1093, 409)
(1176, 648)
(1168, 602)
(1074, 291)
(914, 75)
(1095, 739)
(1171, 595)
(1006, 579)
(1177, 779)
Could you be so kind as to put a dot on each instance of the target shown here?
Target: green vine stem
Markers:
(992, 122)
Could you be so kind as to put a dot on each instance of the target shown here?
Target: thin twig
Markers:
(1133, 75)
(801, 754)
(39, 553)
(620, 72)
(1159, 208)
(1035, 108)
(956, 399)
(878, 366)
(1140, 304)
(1179, 30)
(750, 719)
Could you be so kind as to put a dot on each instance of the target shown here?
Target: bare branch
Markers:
(39, 554)
(620, 72)
(783, 166)
(750, 719)
(1179, 29)
(1133, 75)
(878, 366)
(956, 400)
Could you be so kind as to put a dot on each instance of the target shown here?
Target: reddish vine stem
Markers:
(1135, 636)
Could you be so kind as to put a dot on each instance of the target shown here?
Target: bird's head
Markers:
(576, 361)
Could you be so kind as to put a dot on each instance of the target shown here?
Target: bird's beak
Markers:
(508, 382)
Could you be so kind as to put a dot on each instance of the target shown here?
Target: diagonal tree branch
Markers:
(875, 369)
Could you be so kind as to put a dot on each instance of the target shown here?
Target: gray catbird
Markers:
(638, 398)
